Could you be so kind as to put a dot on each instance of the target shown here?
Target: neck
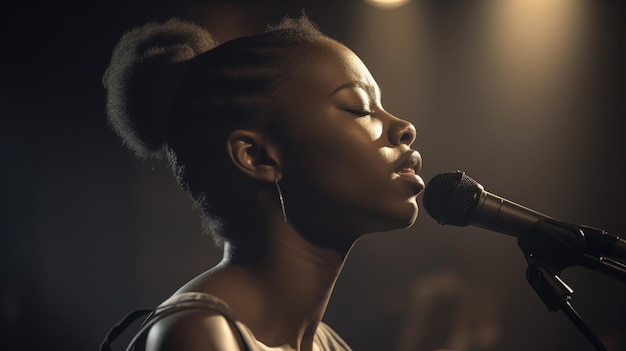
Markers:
(281, 294)
(293, 283)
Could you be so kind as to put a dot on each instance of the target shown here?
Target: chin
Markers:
(413, 216)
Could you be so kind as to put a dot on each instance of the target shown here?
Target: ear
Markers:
(254, 154)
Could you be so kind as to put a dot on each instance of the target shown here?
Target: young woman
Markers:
(282, 140)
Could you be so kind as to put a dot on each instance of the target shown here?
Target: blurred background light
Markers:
(387, 4)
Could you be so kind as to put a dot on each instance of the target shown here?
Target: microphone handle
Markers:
(498, 214)
(501, 215)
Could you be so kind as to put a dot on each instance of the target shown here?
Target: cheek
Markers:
(346, 157)
(372, 127)
(342, 168)
(351, 162)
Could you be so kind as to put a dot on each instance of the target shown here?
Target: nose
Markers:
(401, 131)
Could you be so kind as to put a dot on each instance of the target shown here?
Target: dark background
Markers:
(527, 98)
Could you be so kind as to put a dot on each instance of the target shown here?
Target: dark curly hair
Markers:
(172, 90)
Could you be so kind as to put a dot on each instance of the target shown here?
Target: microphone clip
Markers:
(553, 244)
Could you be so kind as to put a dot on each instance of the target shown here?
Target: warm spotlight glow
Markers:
(387, 4)
(536, 39)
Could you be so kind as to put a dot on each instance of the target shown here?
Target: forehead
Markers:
(328, 65)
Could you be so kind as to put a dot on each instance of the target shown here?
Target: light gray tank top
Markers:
(326, 338)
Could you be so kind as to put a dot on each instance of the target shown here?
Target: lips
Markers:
(411, 163)
(409, 168)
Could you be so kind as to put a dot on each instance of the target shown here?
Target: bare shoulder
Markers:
(193, 331)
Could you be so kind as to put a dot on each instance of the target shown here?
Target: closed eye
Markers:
(359, 111)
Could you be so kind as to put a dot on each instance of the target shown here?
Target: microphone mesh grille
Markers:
(450, 198)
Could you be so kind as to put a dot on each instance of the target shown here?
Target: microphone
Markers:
(454, 198)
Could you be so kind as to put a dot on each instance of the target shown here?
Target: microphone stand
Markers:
(549, 248)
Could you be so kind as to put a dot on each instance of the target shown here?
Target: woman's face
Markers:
(348, 167)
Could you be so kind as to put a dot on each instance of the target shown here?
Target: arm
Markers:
(195, 330)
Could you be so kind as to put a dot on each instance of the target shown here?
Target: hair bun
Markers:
(142, 80)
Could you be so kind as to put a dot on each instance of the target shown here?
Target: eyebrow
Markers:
(358, 84)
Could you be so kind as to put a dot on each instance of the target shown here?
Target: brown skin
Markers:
(344, 173)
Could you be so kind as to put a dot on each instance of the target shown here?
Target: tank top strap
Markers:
(194, 301)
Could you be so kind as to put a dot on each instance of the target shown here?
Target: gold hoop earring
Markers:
(280, 197)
